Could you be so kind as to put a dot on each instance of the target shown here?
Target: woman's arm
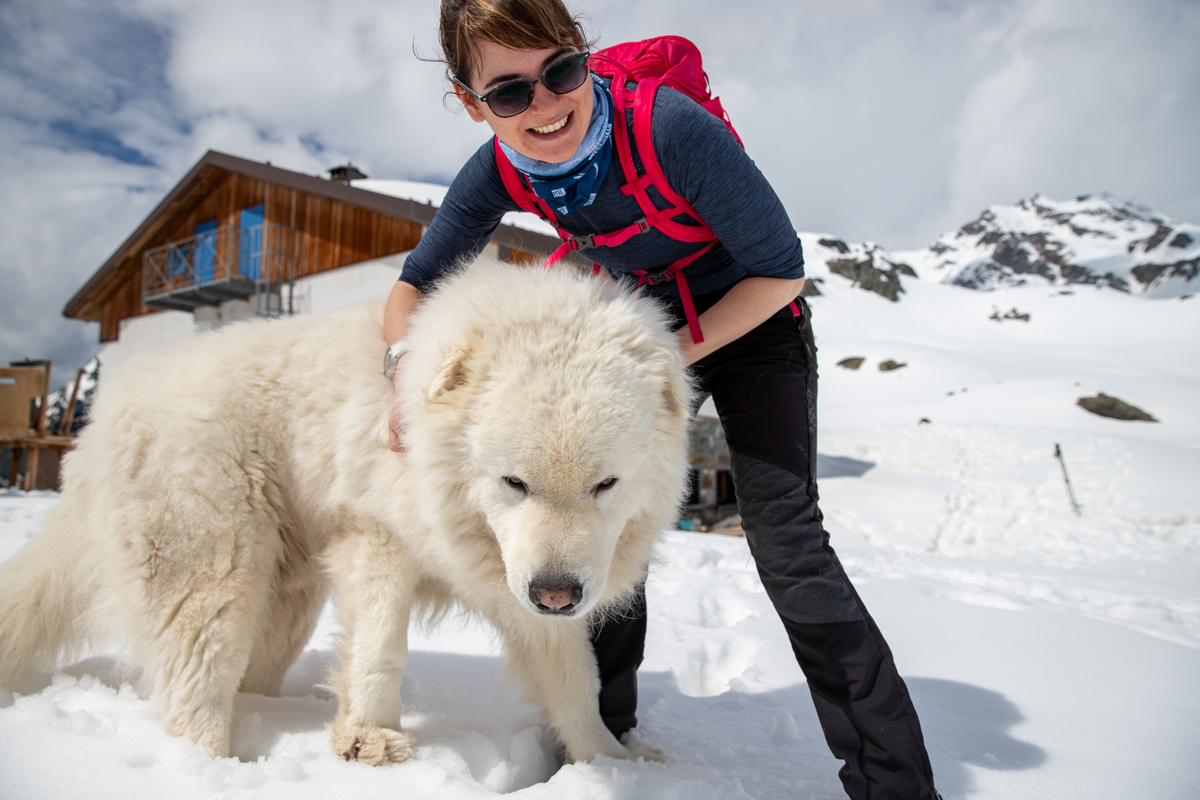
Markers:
(400, 305)
(743, 308)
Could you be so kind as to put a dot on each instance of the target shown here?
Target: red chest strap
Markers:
(523, 195)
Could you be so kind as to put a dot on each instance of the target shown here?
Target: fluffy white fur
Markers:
(225, 485)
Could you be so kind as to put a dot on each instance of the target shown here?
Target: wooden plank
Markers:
(45, 407)
(32, 456)
(68, 417)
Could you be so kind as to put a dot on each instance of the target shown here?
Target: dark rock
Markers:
(854, 362)
(810, 288)
(835, 244)
(884, 282)
(1147, 274)
(1158, 237)
(1114, 408)
(1013, 314)
(889, 365)
(1078, 231)
(1180, 240)
(980, 225)
(1019, 254)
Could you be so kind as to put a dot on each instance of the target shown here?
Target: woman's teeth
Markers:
(553, 126)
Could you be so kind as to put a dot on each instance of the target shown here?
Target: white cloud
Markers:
(1086, 97)
(890, 120)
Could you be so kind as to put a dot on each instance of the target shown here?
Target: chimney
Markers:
(346, 173)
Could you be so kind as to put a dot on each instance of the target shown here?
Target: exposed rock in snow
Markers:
(1096, 240)
(1114, 408)
(867, 265)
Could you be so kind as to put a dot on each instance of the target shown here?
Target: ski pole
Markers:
(1070, 492)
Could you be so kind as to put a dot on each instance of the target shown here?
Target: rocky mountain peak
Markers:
(1097, 240)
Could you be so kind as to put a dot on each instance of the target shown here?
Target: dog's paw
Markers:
(372, 746)
(645, 752)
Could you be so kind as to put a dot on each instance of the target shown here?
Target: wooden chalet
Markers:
(235, 229)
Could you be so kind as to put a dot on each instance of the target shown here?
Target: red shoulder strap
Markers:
(520, 191)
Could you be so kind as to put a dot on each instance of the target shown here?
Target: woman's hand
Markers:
(746, 306)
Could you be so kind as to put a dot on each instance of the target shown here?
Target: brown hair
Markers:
(516, 24)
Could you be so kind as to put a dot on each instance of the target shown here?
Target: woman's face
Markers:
(553, 126)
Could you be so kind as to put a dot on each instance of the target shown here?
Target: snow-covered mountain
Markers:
(1095, 240)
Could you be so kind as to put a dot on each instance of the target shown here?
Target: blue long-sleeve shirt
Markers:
(702, 162)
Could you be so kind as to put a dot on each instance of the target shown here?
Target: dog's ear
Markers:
(452, 375)
(674, 394)
(677, 392)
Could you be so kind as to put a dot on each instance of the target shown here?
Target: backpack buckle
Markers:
(585, 242)
(653, 278)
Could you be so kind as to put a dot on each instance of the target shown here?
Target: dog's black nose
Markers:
(555, 593)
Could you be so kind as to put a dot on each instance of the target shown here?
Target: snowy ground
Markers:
(1050, 656)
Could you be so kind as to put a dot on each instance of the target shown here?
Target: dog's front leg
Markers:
(554, 659)
(373, 586)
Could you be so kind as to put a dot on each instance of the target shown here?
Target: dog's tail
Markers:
(46, 592)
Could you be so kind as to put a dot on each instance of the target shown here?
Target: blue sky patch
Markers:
(101, 142)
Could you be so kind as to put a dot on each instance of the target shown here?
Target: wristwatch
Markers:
(391, 357)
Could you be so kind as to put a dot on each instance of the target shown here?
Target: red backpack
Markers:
(675, 62)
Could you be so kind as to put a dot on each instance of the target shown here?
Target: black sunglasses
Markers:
(512, 97)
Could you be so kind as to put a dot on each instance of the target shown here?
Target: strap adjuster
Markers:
(584, 242)
(588, 241)
(653, 278)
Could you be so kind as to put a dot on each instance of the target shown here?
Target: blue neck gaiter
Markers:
(572, 184)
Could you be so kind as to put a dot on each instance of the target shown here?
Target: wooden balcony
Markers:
(227, 263)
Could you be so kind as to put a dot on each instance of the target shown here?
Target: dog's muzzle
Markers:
(555, 593)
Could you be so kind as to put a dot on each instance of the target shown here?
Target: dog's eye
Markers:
(605, 485)
(515, 483)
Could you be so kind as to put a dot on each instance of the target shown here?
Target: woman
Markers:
(757, 359)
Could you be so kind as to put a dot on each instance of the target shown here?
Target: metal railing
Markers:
(227, 263)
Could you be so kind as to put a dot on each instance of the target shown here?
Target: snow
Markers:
(1049, 655)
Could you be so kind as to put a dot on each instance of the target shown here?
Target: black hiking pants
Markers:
(764, 386)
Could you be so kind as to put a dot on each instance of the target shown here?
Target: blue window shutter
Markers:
(206, 243)
(250, 239)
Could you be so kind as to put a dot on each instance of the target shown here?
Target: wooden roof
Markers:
(215, 167)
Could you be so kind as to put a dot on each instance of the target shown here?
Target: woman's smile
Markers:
(553, 127)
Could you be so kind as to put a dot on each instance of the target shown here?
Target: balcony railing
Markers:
(227, 263)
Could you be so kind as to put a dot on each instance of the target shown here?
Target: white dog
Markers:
(225, 484)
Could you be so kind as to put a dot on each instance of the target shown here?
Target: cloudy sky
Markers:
(882, 120)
